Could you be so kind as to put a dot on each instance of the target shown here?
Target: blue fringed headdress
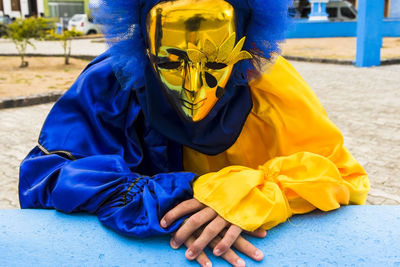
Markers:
(123, 21)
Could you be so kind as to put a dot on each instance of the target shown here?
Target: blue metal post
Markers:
(318, 10)
(369, 33)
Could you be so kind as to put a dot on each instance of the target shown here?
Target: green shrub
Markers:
(66, 41)
(22, 32)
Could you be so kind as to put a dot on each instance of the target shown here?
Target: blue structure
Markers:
(302, 28)
(318, 10)
(323, 29)
(370, 28)
(350, 236)
(369, 33)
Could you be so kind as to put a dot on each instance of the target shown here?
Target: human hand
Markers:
(206, 227)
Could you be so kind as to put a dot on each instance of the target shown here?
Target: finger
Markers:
(230, 256)
(227, 241)
(248, 249)
(202, 258)
(182, 209)
(260, 233)
(192, 224)
(207, 235)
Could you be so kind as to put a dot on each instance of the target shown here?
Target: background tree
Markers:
(66, 40)
(22, 32)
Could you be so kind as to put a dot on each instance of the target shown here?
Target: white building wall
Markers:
(40, 7)
(24, 8)
(8, 11)
(7, 7)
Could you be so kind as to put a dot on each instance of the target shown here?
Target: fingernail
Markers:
(189, 253)
(208, 264)
(265, 233)
(174, 245)
(258, 254)
(240, 262)
(217, 252)
(163, 223)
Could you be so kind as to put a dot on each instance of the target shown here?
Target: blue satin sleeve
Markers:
(124, 201)
(96, 154)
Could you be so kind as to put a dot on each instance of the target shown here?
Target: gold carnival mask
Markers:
(192, 50)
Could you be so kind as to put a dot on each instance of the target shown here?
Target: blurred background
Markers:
(347, 51)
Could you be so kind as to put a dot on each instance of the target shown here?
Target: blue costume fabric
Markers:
(112, 146)
(263, 22)
(92, 147)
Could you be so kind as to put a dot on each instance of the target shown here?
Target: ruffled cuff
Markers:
(138, 208)
(268, 196)
(243, 197)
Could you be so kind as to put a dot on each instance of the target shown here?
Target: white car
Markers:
(81, 23)
(337, 10)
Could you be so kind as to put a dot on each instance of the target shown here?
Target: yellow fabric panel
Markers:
(354, 176)
(289, 140)
(243, 197)
(312, 177)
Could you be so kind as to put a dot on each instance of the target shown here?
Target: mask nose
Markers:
(192, 82)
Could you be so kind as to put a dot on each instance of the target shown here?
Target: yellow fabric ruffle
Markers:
(288, 159)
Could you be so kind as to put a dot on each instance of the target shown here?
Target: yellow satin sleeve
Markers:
(288, 159)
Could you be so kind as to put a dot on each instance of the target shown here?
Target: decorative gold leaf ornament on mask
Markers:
(191, 45)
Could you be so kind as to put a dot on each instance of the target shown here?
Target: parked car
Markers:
(81, 22)
(4, 21)
(294, 13)
(337, 11)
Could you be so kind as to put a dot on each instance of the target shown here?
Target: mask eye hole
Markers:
(171, 65)
(210, 80)
(215, 65)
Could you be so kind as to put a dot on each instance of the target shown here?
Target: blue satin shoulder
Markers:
(97, 153)
(96, 117)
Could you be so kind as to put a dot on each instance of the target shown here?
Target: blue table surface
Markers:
(350, 236)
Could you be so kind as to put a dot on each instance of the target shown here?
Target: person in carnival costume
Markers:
(191, 114)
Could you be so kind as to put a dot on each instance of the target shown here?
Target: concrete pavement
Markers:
(80, 47)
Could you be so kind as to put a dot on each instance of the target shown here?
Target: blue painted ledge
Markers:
(301, 28)
(350, 236)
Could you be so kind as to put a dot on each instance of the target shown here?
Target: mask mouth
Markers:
(193, 106)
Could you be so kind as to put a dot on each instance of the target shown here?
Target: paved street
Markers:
(364, 103)
(86, 47)
(19, 130)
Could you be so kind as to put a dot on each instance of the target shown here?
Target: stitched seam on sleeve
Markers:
(66, 153)
(129, 189)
